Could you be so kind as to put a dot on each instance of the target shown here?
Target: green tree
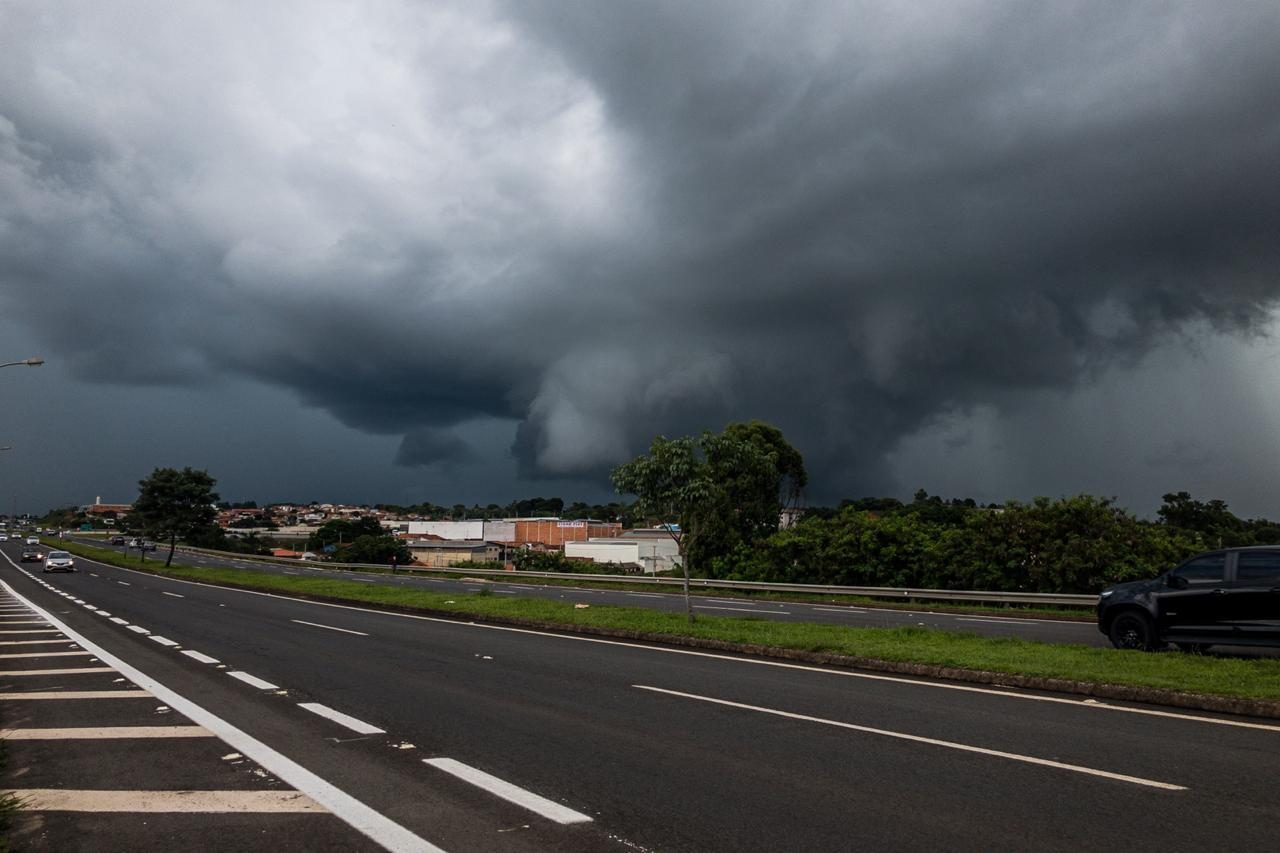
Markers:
(374, 549)
(715, 493)
(174, 504)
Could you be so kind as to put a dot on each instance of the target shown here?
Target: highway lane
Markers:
(1043, 630)
(642, 738)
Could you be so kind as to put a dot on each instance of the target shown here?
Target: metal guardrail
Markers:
(900, 594)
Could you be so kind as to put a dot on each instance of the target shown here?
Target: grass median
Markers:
(1204, 675)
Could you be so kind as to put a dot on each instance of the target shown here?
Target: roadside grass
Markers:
(1200, 674)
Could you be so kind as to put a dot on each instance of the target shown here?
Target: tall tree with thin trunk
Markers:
(714, 492)
(175, 504)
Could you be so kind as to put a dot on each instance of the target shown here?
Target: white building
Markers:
(650, 555)
(477, 529)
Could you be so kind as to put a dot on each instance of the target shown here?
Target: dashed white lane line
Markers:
(167, 802)
(164, 641)
(741, 609)
(539, 805)
(119, 621)
(963, 747)
(124, 583)
(330, 627)
(172, 594)
(357, 726)
(997, 620)
(137, 629)
(646, 595)
(253, 680)
(106, 733)
(34, 631)
(43, 655)
(840, 609)
(104, 614)
(200, 656)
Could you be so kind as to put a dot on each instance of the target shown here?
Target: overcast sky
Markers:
(472, 251)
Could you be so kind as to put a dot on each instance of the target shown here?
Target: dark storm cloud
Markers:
(600, 222)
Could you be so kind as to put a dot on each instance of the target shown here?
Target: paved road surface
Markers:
(667, 749)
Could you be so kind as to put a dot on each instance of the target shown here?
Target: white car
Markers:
(59, 561)
(33, 540)
(4, 537)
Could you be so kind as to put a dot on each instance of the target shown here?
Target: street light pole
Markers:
(29, 362)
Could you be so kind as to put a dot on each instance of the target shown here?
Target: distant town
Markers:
(433, 536)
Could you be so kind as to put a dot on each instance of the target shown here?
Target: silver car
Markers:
(59, 561)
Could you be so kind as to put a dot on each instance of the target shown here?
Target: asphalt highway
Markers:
(655, 748)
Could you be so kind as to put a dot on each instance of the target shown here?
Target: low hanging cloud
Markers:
(598, 222)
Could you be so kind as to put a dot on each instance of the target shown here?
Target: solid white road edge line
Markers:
(549, 809)
(330, 627)
(1085, 703)
(739, 609)
(347, 808)
(963, 747)
(358, 726)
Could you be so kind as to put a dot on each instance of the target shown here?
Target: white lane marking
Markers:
(740, 609)
(137, 629)
(200, 656)
(28, 622)
(119, 621)
(963, 747)
(43, 655)
(172, 594)
(287, 572)
(106, 733)
(80, 670)
(1083, 703)
(984, 619)
(166, 802)
(78, 600)
(549, 809)
(34, 631)
(164, 641)
(124, 583)
(646, 595)
(330, 627)
(357, 726)
(35, 642)
(840, 609)
(377, 827)
(253, 681)
(76, 694)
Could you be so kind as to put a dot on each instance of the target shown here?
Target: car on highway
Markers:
(4, 537)
(59, 561)
(1230, 596)
(33, 540)
(117, 540)
(32, 555)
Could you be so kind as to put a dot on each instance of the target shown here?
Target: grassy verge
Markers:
(1204, 675)
(1076, 614)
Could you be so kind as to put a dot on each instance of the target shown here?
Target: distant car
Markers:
(4, 537)
(308, 555)
(117, 540)
(32, 555)
(59, 561)
(1225, 597)
(33, 540)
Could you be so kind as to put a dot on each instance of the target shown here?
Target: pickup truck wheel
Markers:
(1132, 630)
